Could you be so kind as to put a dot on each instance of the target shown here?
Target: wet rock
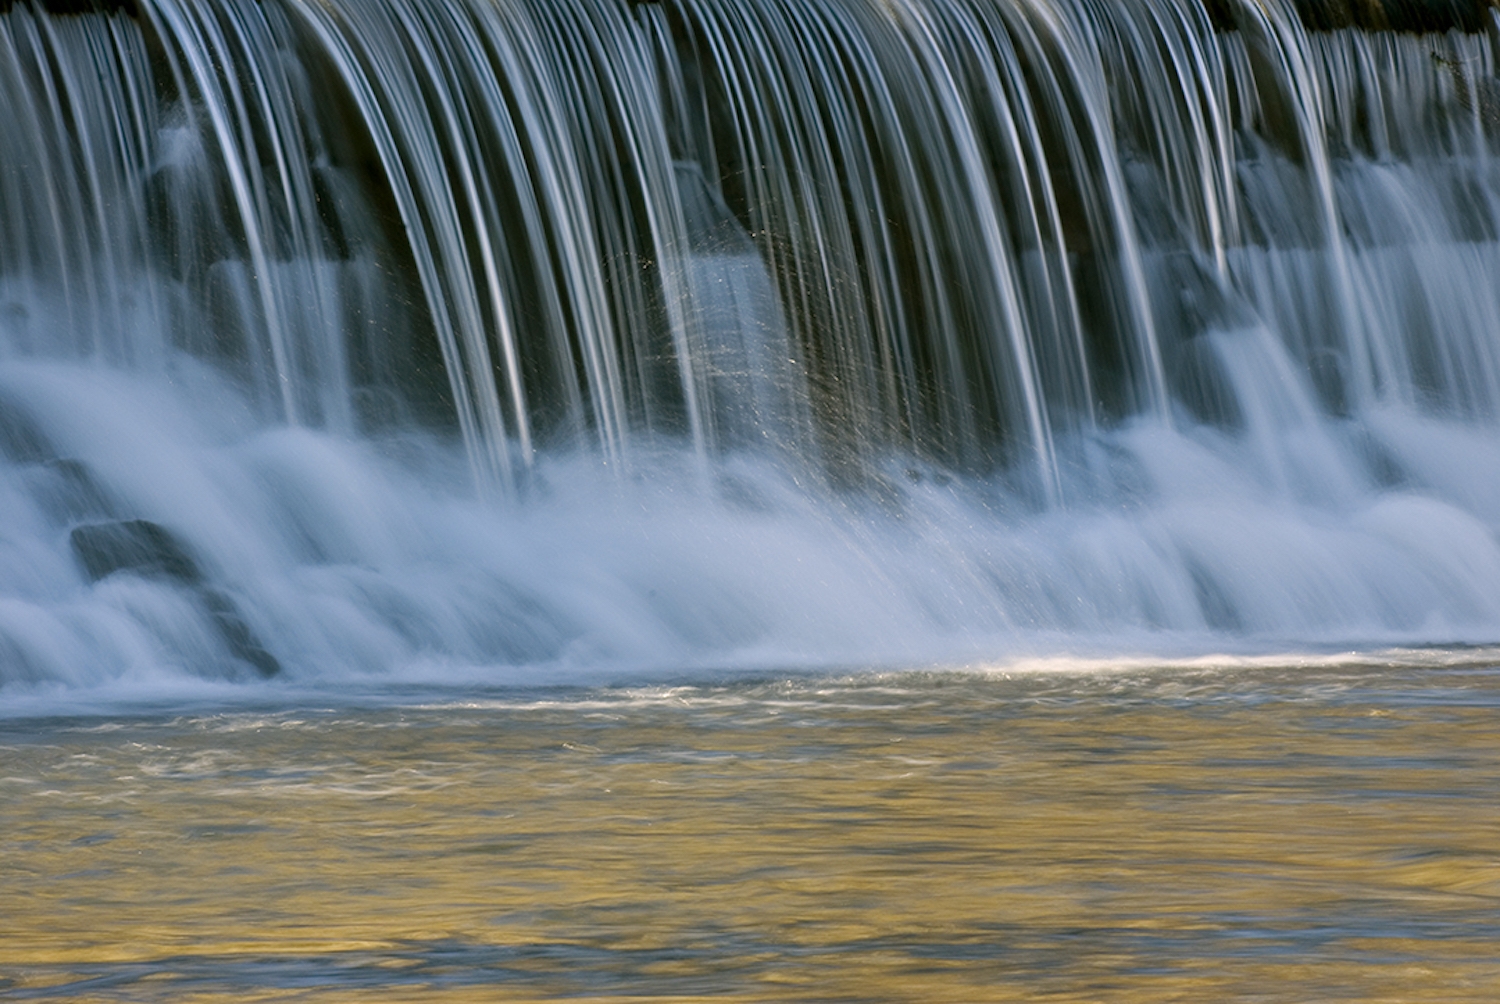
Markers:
(238, 637)
(129, 8)
(134, 545)
(144, 548)
(1413, 16)
(21, 442)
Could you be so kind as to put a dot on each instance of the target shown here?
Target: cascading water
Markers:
(498, 339)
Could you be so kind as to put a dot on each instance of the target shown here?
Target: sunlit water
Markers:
(1221, 830)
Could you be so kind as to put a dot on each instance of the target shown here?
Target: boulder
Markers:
(148, 549)
(133, 545)
(238, 637)
(21, 442)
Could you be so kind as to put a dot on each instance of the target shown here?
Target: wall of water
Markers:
(480, 340)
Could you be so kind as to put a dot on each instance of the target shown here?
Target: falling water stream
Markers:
(543, 342)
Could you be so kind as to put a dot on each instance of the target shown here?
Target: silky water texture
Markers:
(349, 344)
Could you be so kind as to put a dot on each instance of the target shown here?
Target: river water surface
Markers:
(1244, 831)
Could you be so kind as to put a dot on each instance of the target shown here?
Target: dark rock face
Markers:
(1415, 16)
(126, 7)
(21, 442)
(134, 545)
(237, 635)
(141, 547)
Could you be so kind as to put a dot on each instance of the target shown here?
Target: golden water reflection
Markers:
(1285, 835)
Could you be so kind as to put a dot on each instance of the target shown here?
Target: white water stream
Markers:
(463, 342)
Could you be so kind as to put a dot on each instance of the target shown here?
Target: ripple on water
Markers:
(1265, 832)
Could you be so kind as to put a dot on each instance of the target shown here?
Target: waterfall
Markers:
(516, 340)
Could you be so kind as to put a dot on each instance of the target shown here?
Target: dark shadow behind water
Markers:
(1295, 833)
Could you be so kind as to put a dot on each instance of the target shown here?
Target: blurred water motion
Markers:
(1292, 834)
(554, 341)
